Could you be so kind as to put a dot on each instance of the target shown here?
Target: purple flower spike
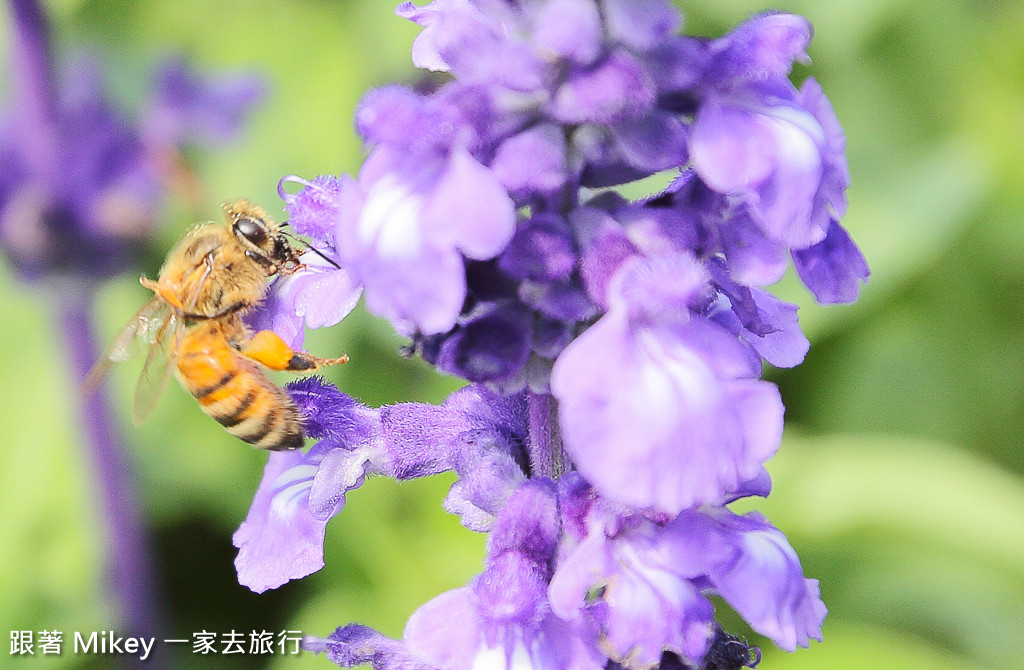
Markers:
(614, 346)
(81, 191)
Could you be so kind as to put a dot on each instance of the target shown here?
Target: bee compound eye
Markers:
(251, 230)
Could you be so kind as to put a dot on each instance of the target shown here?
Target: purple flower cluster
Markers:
(613, 347)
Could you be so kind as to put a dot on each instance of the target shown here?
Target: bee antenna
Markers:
(283, 224)
(309, 246)
(321, 255)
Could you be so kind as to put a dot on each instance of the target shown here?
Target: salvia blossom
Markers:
(613, 347)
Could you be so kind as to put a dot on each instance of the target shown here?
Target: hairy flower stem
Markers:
(130, 578)
(545, 442)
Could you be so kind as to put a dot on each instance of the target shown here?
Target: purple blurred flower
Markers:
(81, 186)
(190, 108)
(78, 195)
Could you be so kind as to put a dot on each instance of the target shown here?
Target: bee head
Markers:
(260, 237)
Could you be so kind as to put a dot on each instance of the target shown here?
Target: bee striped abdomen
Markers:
(264, 416)
(237, 394)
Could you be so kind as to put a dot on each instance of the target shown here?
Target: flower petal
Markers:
(615, 89)
(766, 585)
(641, 24)
(533, 161)
(280, 538)
(834, 268)
(694, 433)
(469, 209)
(570, 29)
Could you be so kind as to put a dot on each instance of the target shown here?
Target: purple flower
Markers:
(421, 205)
(833, 268)
(680, 391)
(642, 602)
(282, 538)
(757, 573)
(317, 296)
(644, 583)
(756, 137)
(476, 432)
(322, 292)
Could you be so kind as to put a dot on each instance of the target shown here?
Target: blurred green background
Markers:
(901, 480)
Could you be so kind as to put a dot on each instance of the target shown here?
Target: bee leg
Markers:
(169, 297)
(267, 347)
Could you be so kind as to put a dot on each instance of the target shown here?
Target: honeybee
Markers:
(215, 274)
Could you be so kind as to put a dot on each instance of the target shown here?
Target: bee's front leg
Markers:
(267, 347)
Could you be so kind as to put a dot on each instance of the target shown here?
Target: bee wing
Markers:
(192, 286)
(120, 348)
(164, 340)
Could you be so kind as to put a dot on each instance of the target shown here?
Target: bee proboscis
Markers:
(211, 278)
